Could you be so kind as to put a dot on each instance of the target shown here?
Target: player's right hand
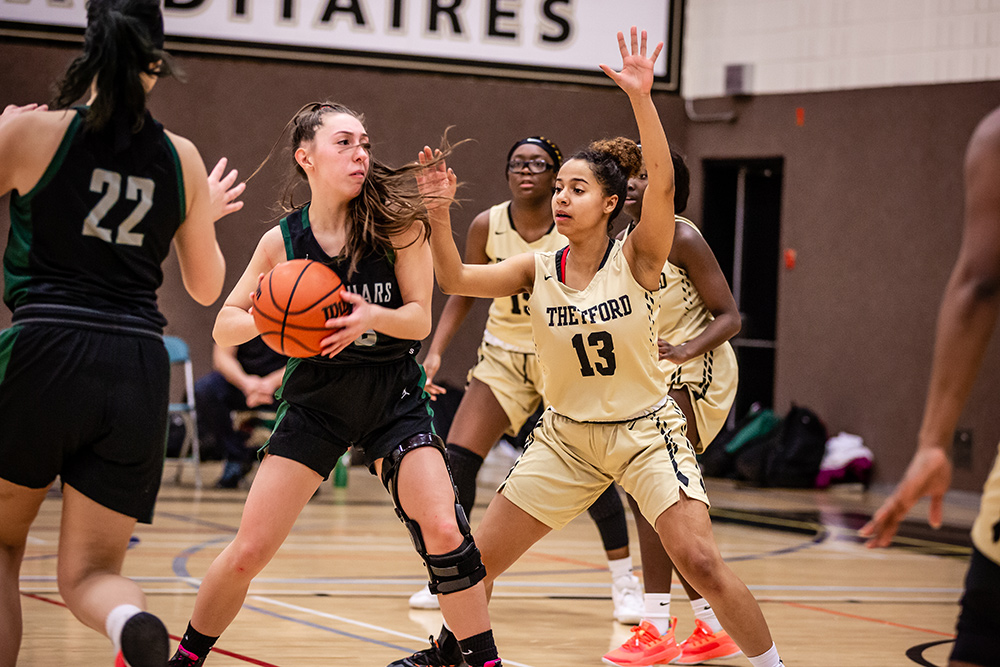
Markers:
(929, 474)
(432, 364)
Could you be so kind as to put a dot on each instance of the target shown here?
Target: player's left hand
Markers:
(222, 192)
(676, 354)
(636, 77)
(929, 474)
(347, 328)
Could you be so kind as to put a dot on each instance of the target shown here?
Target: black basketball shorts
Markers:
(89, 406)
(326, 408)
(978, 640)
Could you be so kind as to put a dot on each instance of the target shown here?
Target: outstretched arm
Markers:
(457, 307)
(511, 276)
(648, 246)
(966, 321)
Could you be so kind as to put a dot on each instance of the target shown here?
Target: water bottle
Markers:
(340, 470)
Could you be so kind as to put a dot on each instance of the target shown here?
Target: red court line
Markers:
(541, 555)
(865, 618)
(221, 651)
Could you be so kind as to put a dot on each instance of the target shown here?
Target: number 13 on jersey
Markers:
(603, 346)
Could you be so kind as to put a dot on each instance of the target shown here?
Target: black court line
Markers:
(916, 653)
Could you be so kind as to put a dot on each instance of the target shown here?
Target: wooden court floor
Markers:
(336, 594)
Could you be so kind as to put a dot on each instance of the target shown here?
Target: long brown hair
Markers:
(389, 202)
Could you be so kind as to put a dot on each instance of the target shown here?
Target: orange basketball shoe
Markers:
(646, 647)
(703, 644)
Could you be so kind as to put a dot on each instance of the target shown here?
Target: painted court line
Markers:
(220, 651)
(351, 621)
(870, 620)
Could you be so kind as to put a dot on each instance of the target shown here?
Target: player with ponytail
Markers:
(99, 191)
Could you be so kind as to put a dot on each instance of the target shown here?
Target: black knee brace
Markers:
(456, 570)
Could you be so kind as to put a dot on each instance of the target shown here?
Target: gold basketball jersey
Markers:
(712, 377)
(509, 323)
(596, 346)
(683, 314)
(986, 529)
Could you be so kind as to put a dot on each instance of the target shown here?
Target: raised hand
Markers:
(636, 77)
(221, 191)
(436, 181)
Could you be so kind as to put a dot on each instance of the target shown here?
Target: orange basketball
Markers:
(292, 304)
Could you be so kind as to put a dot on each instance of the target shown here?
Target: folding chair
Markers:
(177, 351)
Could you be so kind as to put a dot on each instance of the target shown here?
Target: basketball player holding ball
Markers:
(369, 224)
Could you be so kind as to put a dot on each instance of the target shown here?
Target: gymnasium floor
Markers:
(336, 592)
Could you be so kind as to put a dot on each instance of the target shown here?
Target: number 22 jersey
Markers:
(91, 235)
(596, 346)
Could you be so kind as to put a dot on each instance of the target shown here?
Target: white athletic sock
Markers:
(619, 567)
(704, 613)
(656, 610)
(116, 620)
(769, 658)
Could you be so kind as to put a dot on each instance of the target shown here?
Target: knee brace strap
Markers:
(456, 570)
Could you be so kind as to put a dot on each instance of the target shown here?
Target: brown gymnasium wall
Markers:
(872, 202)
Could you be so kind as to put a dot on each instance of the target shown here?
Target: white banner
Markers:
(537, 39)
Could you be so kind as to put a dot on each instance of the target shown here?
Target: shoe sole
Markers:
(145, 642)
(606, 661)
(706, 659)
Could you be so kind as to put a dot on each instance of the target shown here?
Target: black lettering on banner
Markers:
(496, 13)
(397, 15)
(605, 350)
(186, 5)
(353, 8)
(557, 20)
(435, 7)
(287, 10)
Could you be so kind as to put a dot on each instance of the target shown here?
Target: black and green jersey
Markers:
(374, 279)
(91, 235)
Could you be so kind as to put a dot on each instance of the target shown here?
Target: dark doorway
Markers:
(741, 221)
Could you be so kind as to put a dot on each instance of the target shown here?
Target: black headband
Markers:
(546, 145)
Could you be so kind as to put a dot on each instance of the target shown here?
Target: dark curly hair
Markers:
(613, 162)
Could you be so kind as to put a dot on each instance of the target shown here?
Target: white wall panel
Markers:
(812, 45)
